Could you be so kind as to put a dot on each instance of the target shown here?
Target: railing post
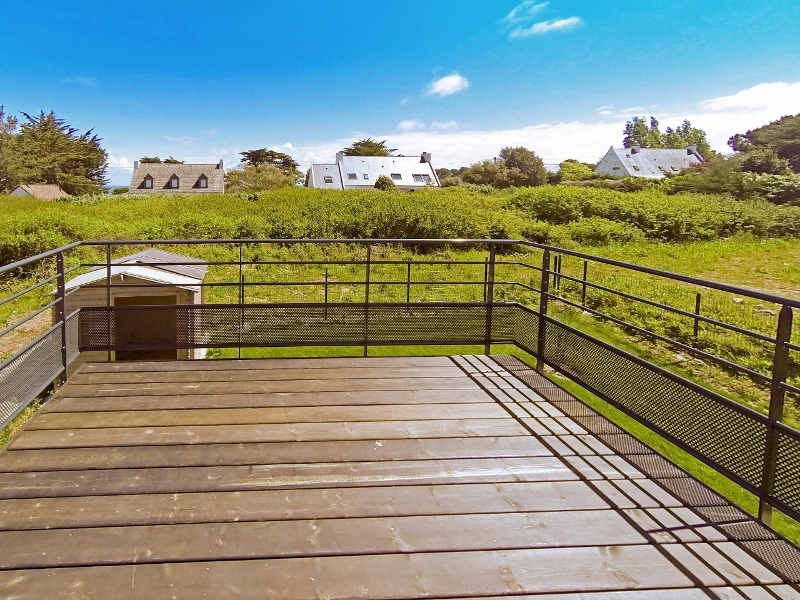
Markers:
(108, 300)
(241, 300)
(487, 349)
(326, 293)
(780, 370)
(366, 301)
(408, 282)
(583, 289)
(61, 310)
(543, 298)
(696, 331)
(485, 276)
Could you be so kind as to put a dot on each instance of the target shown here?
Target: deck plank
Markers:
(344, 398)
(262, 477)
(443, 574)
(304, 503)
(285, 374)
(281, 432)
(318, 537)
(261, 387)
(255, 416)
(202, 455)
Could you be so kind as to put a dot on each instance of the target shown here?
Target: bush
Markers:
(257, 178)
(384, 183)
(119, 190)
(597, 231)
(572, 170)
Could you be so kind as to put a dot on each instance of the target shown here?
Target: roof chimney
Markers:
(219, 166)
(636, 149)
(136, 164)
(692, 149)
(426, 157)
(339, 157)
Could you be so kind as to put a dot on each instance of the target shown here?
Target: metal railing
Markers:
(711, 367)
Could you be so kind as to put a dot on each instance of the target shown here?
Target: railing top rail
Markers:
(37, 257)
(734, 289)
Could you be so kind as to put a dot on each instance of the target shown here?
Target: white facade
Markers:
(361, 172)
(654, 163)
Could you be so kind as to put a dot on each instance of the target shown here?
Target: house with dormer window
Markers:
(171, 178)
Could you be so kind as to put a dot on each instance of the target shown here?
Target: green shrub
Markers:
(597, 231)
(384, 183)
(119, 190)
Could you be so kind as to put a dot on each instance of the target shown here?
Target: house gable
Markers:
(191, 178)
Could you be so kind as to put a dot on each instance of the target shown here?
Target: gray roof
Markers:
(196, 269)
(320, 171)
(189, 175)
(655, 162)
(361, 172)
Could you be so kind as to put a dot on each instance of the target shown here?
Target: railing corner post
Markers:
(544, 295)
(487, 349)
(780, 370)
(366, 300)
(61, 310)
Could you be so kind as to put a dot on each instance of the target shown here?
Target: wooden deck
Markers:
(340, 478)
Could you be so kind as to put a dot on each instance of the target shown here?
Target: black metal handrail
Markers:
(369, 319)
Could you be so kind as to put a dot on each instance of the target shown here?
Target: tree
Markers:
(48, 150)
(782, 136)
(150, 160)
(384, 183)
(369, 147)
(572, 170)
(764, 161)
(523, 166)
(686, 135)
(284, 162)
(172, 161)
(257, 179)
(637, 133)
(488, 172)
(8, 126)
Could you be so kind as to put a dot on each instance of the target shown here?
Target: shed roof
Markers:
(41, 191)
(159, 266)
(320, 171)
(656, 162)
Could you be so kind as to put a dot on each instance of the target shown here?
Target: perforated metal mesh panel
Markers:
(778, 554)
(26, 374)
(207, 326)
(73, 336)
(787, 473)
(733, 440)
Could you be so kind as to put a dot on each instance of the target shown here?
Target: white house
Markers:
(361, 172)
(655, 163)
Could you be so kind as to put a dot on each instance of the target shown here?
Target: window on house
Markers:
(202, 182)
(396, 176)
(174, 182)
(674, 168)
(422, 178)
(328, 179)
(148, 183)
(616, 168)
(636, 168)
(366, 175)
(352, 176)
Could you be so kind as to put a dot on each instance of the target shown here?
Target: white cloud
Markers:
(443, 125)
(780, 96)
(184, 140)
(543, 27)
(121, 162)
(410, 125)
(404, 101)
(525, 11)
(448, 85)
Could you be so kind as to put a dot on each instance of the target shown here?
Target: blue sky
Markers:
(203, 80)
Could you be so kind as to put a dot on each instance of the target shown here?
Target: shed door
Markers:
(148, 328)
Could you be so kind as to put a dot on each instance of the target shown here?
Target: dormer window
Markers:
(174, 182)
(148, 182)
(202, 182)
